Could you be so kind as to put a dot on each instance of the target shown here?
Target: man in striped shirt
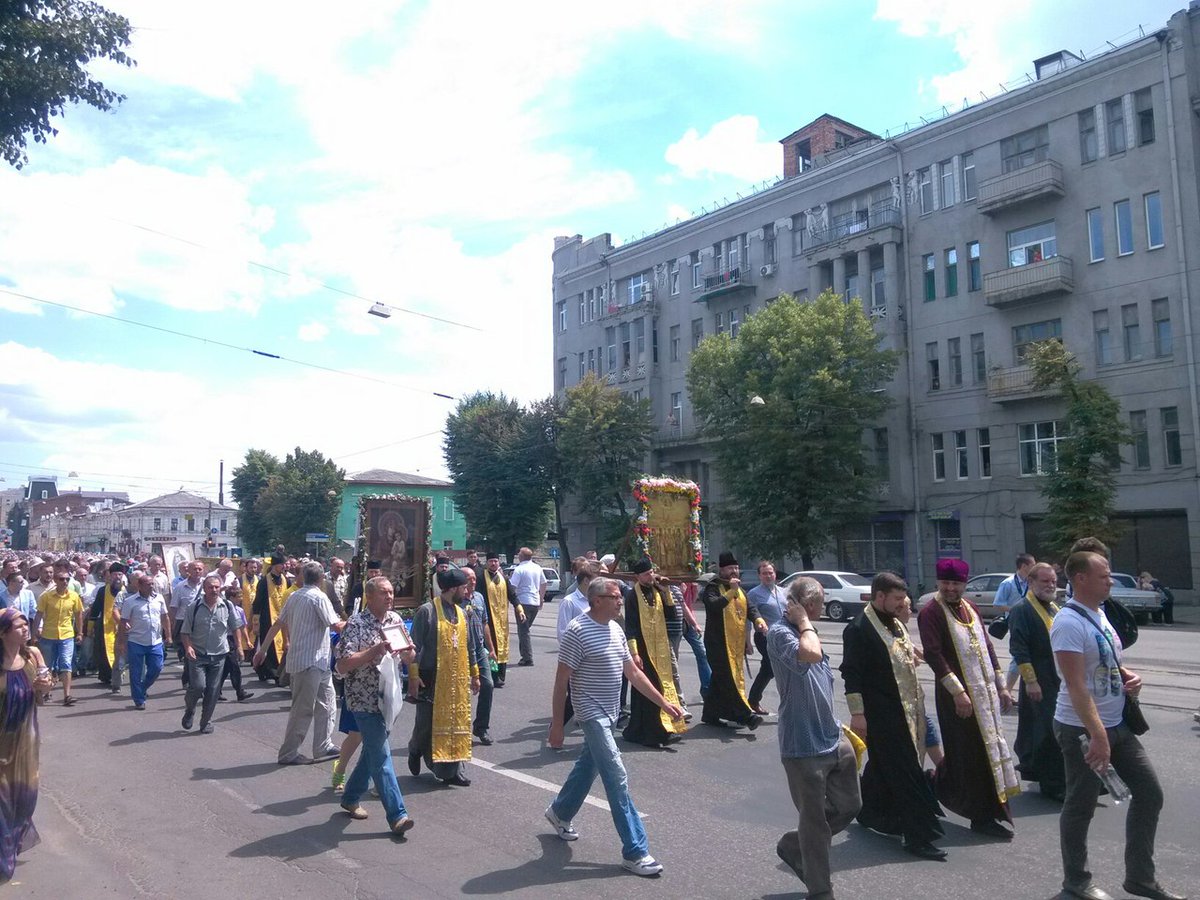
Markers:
(592, 656)
(308, 617)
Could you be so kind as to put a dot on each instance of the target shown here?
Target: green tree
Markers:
(45, 48)
(785, 405)
(249, 480)
(303, 496)
(496, 483)
(604, 437)
(1080, 488)
(544, 428)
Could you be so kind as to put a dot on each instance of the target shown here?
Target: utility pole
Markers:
(221, 484)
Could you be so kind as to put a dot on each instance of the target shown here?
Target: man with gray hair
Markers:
(308, 617)
(821, 767)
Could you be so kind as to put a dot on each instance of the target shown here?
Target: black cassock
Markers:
(645, 720)
(272, 666)
(1038, 754)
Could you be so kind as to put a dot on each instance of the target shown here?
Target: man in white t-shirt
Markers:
(1087, 653)
(529, 583)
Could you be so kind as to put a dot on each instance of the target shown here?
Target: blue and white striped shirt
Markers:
(596, 655)
(807, 724)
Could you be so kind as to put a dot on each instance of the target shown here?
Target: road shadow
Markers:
(249, 770)
(311, 840)
(553, 867)
(143, 737)
(722, 733)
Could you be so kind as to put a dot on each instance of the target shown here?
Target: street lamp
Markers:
(381, 310)
(757, 401)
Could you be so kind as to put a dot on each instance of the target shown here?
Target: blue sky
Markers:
(419, 154)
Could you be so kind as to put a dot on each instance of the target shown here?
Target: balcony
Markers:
(728, 282)
(647, 305)
(860, 230)
(1020, 284)
(1015, 384)
(1043, 180)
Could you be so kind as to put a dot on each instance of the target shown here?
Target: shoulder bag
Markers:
(1135, 719)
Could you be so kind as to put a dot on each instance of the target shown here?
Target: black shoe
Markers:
(220, 698)
(206, 729)
(1057, 794)
(991, 828)
(1153, 891)
(485, 739)
(414, 765)
(755, 721)
(458, 781)
(188, 717)
(525, 662)
(924, 850)
(1087, 892)
(791, 857)
(245, 695)
(499, 682)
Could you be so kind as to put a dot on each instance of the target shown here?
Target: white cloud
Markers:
(312, 331)
(733, 146)
(677, 213)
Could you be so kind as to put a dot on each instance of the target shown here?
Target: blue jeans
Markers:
(375, 763)
(696, 641)
(601, 756)
(145, 663)
(59, 655)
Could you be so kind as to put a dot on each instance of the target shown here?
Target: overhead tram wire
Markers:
(218, 343)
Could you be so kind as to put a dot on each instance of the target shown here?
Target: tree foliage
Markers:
(45, 48)
(786, 404)
(1080, 489)
(497, 484)
(544, 422)
(603, 439)
(249, 480)
(303, 495)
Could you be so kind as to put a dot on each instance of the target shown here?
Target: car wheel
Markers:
(1142, 618)
(835, 610)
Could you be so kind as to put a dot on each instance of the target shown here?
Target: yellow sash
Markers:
(497, 595)
(735, 636)
(249, 589)
(451, 690)
(903, 658)
(657, 648)
(276, 595)
(1046, 613)
(110, 626)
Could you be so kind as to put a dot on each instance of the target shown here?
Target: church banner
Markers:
(667, 529)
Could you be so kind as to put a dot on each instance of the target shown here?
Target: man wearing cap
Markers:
(498, 596)
(977, 778)
(104, 618)
(272, 592)
(725, 609)
(41, 576)
(650, 605)
(441, 680)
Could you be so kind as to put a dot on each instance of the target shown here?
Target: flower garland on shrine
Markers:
(364, 529)
(642, 490)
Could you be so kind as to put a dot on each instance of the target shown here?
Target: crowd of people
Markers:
(350, 660)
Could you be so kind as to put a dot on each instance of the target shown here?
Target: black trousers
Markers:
(233, 671)
(765, 672)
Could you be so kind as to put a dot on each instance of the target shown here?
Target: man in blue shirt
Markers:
(821, 766)
(766, 605)
(1012, 591)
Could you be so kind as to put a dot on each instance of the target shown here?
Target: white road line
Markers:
(534, 781)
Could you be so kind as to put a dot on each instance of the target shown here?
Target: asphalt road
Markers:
(131, 805)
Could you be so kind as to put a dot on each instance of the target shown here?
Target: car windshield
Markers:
(551, 574)
(1125, 581)
(854, 580)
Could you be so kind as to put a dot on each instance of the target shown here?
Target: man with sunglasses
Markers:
(59, 622)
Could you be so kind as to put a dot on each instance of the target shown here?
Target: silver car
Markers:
(1140, 603)
(980, 590)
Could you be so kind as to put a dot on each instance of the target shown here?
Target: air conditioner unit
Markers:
(767, 270)
(647, 291)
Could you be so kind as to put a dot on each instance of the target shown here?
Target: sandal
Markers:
(68, 701)
(339, 779)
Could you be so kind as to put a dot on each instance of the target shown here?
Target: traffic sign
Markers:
(316, 537)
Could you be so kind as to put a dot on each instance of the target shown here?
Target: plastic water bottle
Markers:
(1117, 789)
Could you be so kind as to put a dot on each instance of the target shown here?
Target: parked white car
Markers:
(846, 593)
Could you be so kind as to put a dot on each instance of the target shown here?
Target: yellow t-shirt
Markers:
(58, 614)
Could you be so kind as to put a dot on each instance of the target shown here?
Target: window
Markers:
(697, 278)
(954, 360)
(1095, 224)
(639, 341)
(447, 509)
(174, 524)
(191, 524)
(1124, 227)
(1131, 332)
(935, 374)
(639, 288)
(1114, 123)
(878, 289)
(673, 277)
(1025, 149)
(158, 525)
(946, 168)
(929, 266)
(626, 345)
(562, 315)
(582, 309)
(1089, 149)
(1154, 223)
(925, 186)
(676, 415)
(769, 244)
(883, 465)
(1141, 439)
(591, 365)
(1024, 335)
(1170, 431)
(582, 365)
(1037, 443)
(951, 275)
(939, 457)
(978, 360)
(733, 254)
(697, 332)
(610, 338)
(1032, 244)
(960, 455)
(1143, 111)
(948, 537)
(984, 439)
(636, 394)
(1104, 350)
(1160, 312)
(974, 267)
(719, 323)
(970, 184)
(673, 340)
(224, 526)
(560, 380)
(735, 324)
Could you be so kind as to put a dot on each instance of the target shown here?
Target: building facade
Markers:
(448, 528)
(1065, 209)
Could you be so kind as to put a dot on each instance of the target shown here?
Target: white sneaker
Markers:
(646, 866)
(561, 828)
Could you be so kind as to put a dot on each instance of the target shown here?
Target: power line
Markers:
(205, 340)
(406, 440)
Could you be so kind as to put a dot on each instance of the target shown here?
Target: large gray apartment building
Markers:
(1066, 208)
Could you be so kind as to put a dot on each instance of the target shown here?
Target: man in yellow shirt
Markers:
(59, 621)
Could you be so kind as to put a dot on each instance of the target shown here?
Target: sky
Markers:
(278, 167)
